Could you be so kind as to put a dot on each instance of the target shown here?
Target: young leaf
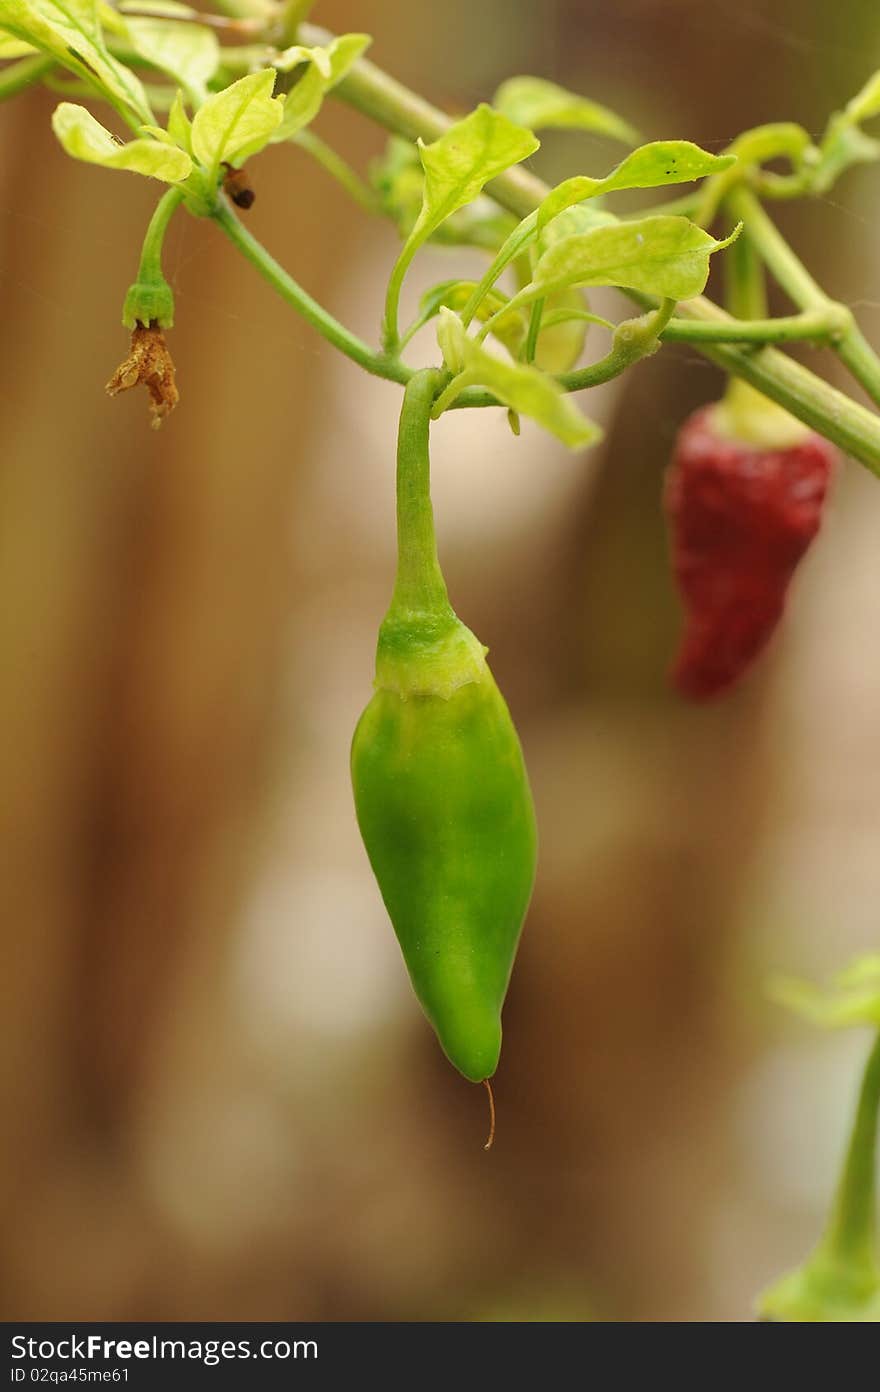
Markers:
(237, 122)
(854, 997)
(541, 105)
(526, 390)
(462, 161)
(13, 48)
(70, 30)
(327, 67)
(665, 256)
(651, 166)
(179, 125)
(399, 181)
(161, 9)
(188, 53)
(456, 166)
(509, 329)
(86, 139)
(580, 217)
(564, 325)
(297, 54)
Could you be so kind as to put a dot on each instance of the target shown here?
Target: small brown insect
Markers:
(237, 186)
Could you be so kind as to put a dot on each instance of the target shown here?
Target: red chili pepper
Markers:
(741, 516)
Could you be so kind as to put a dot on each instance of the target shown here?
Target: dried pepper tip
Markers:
(743, 508)
(148, 363)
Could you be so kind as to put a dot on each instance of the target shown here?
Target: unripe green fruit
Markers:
(441, 791)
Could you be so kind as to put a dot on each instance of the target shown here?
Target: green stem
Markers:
(850, 1236)
(815, 325)
(745, 295)
(17, 76)
(337, 334)
(806, 396)
(150, 299)
(314, 313)
(777, 255)
(514, 245)
(293, 14)
(337, 168)
(386, 101)
(534, 330)
(856, 353)
(851, 345)
(633, 339)
(419, 585)
(745, 286)
(161, 99)
(151, 253)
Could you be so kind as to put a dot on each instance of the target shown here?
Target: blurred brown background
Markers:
(220, 1099)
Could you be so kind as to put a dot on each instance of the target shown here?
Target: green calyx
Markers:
(149, 302)
(427, 654)
(745, 415)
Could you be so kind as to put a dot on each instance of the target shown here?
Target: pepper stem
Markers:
(150, 298)
(744, 413)
(419, 585)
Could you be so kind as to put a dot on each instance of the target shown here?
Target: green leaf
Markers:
(854, 997)
(651, 166)
(70, 30)
(13, 48)
(188, 53)
(580, 217)
(863, 971)
(86, 139)
(326, 67)
(541, 105)
(664, 256)
(237, 122)
(563, 333)
(509, 329)
(526, 390)
(563, 327)
(161, 9)
(179, 125)
(399, 180)
(463, 160)
(473, 151)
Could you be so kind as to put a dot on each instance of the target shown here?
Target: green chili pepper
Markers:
(441, 791)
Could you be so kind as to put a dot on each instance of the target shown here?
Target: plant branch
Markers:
(810, 398)
(388, 102)
(850, 343)
(314, 313)
(337, 168)
(813, 326)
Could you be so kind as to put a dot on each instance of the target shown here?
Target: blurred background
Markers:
(220, 1098)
